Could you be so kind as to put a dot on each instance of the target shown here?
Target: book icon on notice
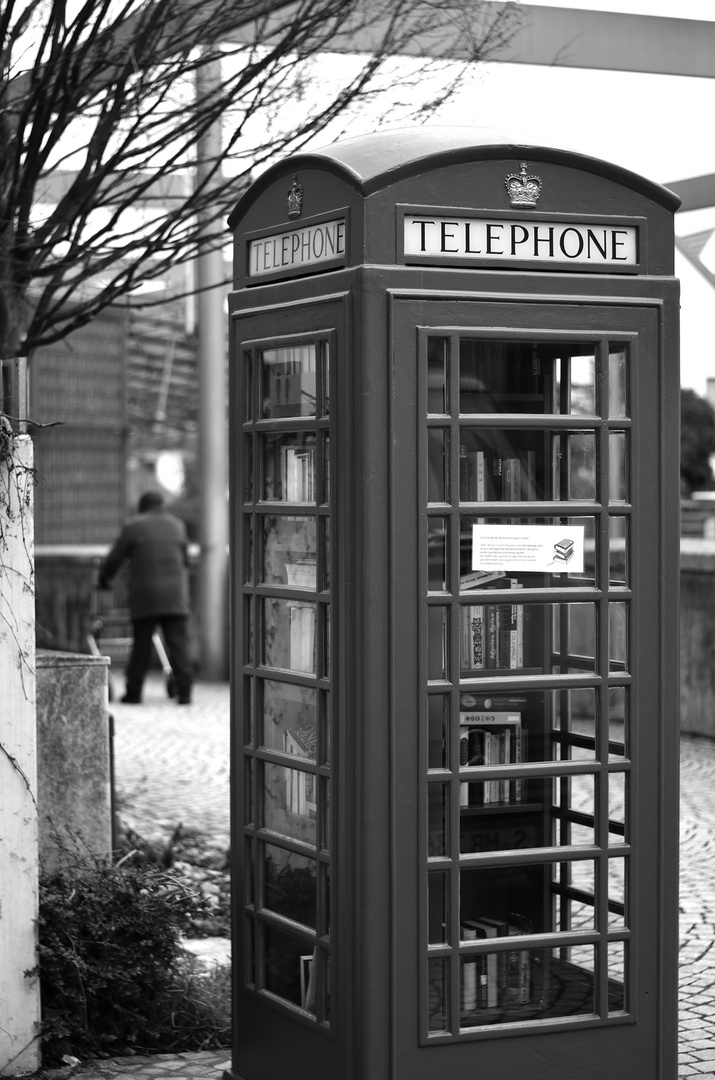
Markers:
(563, 550)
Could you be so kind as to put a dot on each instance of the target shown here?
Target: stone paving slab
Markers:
(202, 1065)
(172, 765)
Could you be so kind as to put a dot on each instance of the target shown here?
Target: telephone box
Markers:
(455, 444)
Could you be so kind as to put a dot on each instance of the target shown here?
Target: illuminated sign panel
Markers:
(297, 250)
(429, 236)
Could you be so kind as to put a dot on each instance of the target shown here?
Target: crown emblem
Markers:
(295, 199)
(523, 190)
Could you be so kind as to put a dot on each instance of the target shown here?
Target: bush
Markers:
(113, 975)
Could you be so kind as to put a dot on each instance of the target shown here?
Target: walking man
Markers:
(154, 544)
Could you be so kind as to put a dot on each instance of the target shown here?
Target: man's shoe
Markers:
(184, 699)
(131, 699)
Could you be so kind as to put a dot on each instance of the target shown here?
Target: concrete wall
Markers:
(73, 754)
(697, 636)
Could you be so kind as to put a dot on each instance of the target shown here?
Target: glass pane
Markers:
(438, 980)
(437, 642)
(617, 467)
(501, 465)
(248, 468)
(500, 638)
(574, 724)
(617, 807)
(289, 635)
(289, 552)
(618, 550)
(248, 712)
(437, 350)
(616, 893)
(499, 376)
(325, 375)
(288, 968)
(289, 802)
(289, 467)
(558, 560)
(616, 976)
(325, 538)
(437, 557)
(511, 894)
(574, 796)
(438, 465)
(438, 888)
(289, 719)
(573, 455)
(438, 721)
(437, 819)
(288, 381)
(618, 721)
(290, 885)
(618, 635)
(533, 984)
(247, 386)
(325, 664)
(617, 380)
(325, 490)
(248, 628)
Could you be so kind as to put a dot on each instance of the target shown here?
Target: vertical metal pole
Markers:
(213, 438)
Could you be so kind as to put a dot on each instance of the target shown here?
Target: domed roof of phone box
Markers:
(371, 162)
(444, 166)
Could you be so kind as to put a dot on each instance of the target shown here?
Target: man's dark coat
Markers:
(155, 544)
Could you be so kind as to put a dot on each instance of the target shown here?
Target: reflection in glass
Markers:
(290, 885)
(247, 468)
(616, 975)
(438, 889)
(618, 721)
(437, 554)
(289, 552)
(516, 889)
(289, 467)
(438, 992)
(438, 706)
(289, 719)
(437, 642)
(247, 385)
(617, 892)
(617, 472)
(617, 381)
(325, 489)
(289, 802)
(437, 375)
(618, 550)
(618, 635)
(288, 964)
(289, 635)
(288, 383)
(535, 984)
(617, 807)
(438, 465)
(325, 369)
(437, 819)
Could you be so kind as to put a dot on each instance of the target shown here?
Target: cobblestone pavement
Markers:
(172, 766)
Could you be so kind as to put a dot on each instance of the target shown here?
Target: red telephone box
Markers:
(455, 402)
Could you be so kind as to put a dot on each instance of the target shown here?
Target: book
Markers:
(492, 738)
(472, 638)
(483, 928)
(476, 578)
(516, 988)
(486, 702)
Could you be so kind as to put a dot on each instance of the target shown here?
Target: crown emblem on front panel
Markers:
(295, 199)
(524, 190)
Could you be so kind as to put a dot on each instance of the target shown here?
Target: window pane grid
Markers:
(577, 390)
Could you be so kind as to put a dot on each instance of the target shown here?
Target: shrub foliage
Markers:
(114, 977)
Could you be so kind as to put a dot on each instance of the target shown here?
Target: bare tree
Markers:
(99, 115)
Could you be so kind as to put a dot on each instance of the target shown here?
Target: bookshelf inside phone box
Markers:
(454, 443)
